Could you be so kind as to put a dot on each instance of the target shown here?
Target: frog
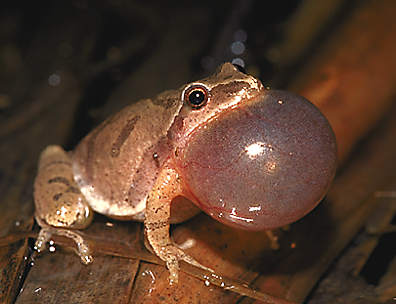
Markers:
(250, 157)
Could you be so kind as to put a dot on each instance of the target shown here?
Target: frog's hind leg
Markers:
(46, 233)
(60, 206)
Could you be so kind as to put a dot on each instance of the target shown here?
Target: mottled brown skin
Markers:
(249, 157)
(59, 202)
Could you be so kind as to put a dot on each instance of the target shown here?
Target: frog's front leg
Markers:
(157, 224)
(60, 206)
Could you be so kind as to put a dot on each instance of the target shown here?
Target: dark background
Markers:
(108, 54)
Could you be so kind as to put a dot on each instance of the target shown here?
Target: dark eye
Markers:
(196, 96)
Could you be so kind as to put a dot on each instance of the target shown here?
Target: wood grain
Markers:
(351, 78)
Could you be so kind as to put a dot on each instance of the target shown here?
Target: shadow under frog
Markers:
(251, 158)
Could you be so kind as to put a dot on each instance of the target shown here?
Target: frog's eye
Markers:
(196, 96)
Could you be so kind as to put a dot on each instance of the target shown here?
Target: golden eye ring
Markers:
(196, 96)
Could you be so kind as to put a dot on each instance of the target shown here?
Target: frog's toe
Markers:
(42, 239)
(82, 250)
(173, 267)
(190, 260)
(172, 254)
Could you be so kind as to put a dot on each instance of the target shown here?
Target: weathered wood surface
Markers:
(19, 152)
(352, 78)
(338, 80)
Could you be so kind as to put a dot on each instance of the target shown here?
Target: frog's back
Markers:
(116, 164)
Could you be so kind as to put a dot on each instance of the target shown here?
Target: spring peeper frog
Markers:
(249, 157)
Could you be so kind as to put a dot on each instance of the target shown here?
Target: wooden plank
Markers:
(351, 77)
(347, 281)
(20, 149)
(305, 252)
(62, 278)
(42, 95)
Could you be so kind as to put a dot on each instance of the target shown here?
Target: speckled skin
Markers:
(250, 157)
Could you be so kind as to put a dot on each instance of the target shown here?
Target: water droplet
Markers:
(207, 283)
(54, 80)
(238, 61)
(187, 244)
(223, 203)
(87, 259)
(17, 223)
(52, 249)
(150, 274)
(237, 47)
(37, 290)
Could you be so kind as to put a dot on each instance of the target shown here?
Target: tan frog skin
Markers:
(133, 165)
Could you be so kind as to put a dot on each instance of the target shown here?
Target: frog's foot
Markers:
(274, 244)
(171, 255)
(46, 232)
